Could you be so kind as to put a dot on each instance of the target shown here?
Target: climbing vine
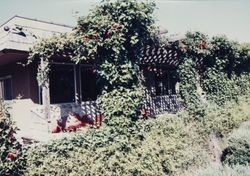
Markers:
(224, 70)
(112, 35)
(189, 86)
(218, 66)
(193, 49)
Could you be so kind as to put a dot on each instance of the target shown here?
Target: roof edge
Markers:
(33, 19)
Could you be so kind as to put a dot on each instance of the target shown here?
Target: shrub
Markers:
(156, 147)
(238, 150)
(218, 86)
(167, 145)
(174, 144)
(11, 159)
(225, 171)
(223, 119)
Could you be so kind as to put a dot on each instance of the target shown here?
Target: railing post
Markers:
(46, 97)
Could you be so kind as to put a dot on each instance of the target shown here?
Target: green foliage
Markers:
(167, 145)
(238, 149)
(112, 35)
(223, 75)
(222, 120)
(219, 66)
(218, 86)
(124, 103)
(223, 54)
(196, 46)
(170, 141)
(123, 27)
(11, 159)
(188, 87)
(225, 171)
(161, 146)
(242, 83)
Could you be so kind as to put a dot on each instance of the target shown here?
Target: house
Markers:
(72, 87)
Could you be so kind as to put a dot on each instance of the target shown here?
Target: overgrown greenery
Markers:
(238, 149)
(112, 35)
(169, 144)
(235, 156)
(189, 86)
(12, 162)
(162, 146)
(218, 65)
(222, 120)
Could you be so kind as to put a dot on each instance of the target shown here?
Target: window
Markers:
(88, 83)
(62, 83)
(5, 88)
(165, 83)
(160, 81)
(161, 84)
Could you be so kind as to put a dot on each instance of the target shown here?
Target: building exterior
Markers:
(72, 87)
(17, 35)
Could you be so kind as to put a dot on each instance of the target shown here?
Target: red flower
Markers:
(11, 156)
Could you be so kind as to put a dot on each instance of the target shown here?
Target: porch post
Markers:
(46, 98)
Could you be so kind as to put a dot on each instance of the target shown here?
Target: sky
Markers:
(213, 17)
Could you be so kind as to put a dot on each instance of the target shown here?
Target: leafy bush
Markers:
(219, 87)
(11, 159)
(121, 103)
(174, 144)
(168, 145)
(156, 147)
(223, 119)
(226, 171)
(238, 150)
(188, 88)
(219, 65)
(242, 83)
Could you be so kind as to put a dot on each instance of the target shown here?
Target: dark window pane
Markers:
(160, 81)
(161, 84)
(5, 89)
(165, 83)
(88, 84)
(62, 84)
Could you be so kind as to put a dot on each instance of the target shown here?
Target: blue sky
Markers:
(229, 17)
